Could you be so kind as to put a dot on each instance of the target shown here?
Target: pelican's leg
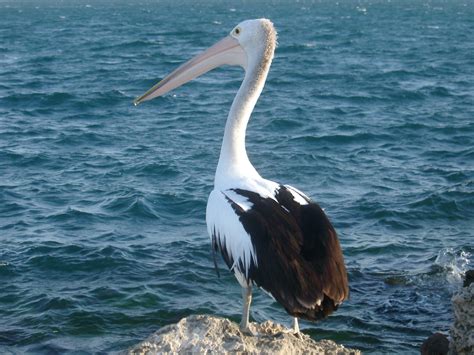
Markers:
(247, 298)
(296, 327)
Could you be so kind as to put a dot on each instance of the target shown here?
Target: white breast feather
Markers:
(232, 235)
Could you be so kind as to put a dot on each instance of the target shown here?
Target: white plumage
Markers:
(224, 224)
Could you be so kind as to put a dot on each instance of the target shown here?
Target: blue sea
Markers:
(368, 108)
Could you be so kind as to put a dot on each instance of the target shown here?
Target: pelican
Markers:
(270, 235)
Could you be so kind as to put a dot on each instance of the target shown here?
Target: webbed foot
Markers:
(247, 330)
(298, 334)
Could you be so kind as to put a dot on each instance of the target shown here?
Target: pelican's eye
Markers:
(237, 31)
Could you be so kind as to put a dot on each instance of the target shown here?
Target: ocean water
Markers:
(368, 108)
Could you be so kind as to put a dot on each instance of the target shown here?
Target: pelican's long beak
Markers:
(226, 51)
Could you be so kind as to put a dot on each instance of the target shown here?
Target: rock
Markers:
(436, 344)
(468, 278)
(462, 330)
(209, 334)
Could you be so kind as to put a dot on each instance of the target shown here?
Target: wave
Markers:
(75, 215)
(455, 202)
(357, 137)
(34, 99)
(130, 204)
(157, 170)
(76, 259)
(447, 267)
(134, 44)
(24, 157)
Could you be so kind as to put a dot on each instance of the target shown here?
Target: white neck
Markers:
(233, 161)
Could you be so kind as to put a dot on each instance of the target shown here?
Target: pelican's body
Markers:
(269, 235)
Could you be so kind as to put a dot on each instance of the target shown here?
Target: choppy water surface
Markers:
(368, 108)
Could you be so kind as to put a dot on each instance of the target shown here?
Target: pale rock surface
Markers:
(208, 334)
(462, 330)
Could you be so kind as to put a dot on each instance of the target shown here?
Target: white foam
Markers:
(454, 263)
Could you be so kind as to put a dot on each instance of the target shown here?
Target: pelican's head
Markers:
(250, 43)
(256, 37)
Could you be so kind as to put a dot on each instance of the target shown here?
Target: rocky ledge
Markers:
(462, 330)
(209, 334)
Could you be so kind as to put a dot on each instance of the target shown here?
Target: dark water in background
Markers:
(368, 108)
